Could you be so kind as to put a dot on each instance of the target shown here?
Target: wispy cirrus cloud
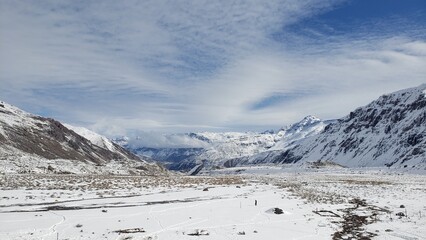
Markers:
(125, 66)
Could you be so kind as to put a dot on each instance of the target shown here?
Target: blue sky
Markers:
(126, 67)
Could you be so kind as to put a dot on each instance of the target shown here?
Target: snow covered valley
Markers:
(243, 203)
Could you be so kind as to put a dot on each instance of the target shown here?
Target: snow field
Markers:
(315, 205)
(223, 212)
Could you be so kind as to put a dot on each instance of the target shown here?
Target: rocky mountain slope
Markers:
(220, 147)
(389, 132)
(30, 143)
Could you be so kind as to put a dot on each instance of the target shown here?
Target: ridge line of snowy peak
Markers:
(213, 137)
(308, 120)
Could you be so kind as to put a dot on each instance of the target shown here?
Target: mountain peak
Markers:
(305, 122)
(308, 120)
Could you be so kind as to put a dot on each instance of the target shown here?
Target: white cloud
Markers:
(328, 85)
(121, 66)
(158, 140)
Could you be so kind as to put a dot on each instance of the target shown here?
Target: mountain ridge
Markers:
(31, 143)
(388, 132)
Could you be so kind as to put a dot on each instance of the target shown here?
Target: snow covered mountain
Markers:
(30, 143)
(99, 140)
(219, 147)
(308, 126)
(389, 132)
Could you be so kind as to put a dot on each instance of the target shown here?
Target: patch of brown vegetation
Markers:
(352, 223)
(365, 182)
(105, 182)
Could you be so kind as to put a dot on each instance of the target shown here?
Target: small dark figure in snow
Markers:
(255, 202)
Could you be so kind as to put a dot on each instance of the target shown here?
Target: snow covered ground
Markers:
(316, 204)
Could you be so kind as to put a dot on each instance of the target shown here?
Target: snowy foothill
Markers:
(93, 137)
(248, 203)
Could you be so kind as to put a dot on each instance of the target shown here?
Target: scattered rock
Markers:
(78, 226)
(104, 210)
(400, 214)
(358, 202)
(199, 232)
(401, 206)
(131, 230)
(242, 233)
(278, 211)
(326, 213)
(275, 211)
(206, 189)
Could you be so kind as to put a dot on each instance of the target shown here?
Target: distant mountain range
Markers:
(220, 147)
(34, 144)
(389, 132)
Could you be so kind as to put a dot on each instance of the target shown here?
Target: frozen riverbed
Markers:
(289, 206)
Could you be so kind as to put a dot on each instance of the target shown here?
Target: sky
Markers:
(132, 67)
